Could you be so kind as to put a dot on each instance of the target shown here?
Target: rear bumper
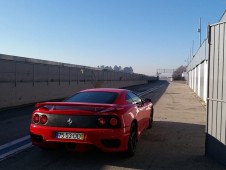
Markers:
(107, 140)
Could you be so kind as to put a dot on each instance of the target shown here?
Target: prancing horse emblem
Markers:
(69, 121)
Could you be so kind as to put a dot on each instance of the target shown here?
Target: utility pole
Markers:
(200, 31)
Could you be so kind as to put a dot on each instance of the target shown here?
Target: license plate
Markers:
(70, 135)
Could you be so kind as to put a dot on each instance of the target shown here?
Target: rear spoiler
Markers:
(117, 107)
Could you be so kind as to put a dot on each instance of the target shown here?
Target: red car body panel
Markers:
(44, 135)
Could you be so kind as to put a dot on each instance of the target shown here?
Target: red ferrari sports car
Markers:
(110, 119)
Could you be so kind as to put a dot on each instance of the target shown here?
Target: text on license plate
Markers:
(70, 135)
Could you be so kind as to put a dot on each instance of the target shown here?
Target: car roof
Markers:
(115, 90)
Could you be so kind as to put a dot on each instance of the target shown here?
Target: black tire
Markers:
(132, 143)
(151, 119)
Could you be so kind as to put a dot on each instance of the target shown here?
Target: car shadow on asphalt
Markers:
(168, 145)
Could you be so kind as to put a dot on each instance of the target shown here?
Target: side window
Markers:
(129, 99)
(134, 97)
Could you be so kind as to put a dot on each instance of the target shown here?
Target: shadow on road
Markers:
(168, 145)
(161, 86)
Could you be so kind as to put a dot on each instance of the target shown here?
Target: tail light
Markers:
(113, 121)
(109, 121)
(102, 121)
(43, 119)
(39, 118)
(36, 118)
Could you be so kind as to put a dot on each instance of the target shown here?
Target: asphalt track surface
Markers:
(174, 142)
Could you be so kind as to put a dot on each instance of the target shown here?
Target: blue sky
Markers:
(143, 34)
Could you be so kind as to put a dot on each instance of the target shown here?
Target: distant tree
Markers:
(108, 68)
(101, 67)
(177, 74)
(117, 68)
(128, 70)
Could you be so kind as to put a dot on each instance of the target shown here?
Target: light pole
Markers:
(200, 31)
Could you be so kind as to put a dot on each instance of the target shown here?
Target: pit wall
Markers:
(25, 80)
(216, 94)
(197, 71)
(206, 73)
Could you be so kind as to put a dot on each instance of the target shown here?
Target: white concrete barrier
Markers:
(25, 80)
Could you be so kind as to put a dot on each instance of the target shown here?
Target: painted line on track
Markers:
(23, 143)
(147, 91)
(14, 147)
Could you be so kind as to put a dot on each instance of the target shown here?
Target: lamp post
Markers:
(200, 31)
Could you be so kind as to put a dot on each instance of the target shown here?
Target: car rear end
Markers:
(79, 125)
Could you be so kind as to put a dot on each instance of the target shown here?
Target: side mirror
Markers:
(147, 100)
(140, 104)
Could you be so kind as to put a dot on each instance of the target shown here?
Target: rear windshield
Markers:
(93, 97)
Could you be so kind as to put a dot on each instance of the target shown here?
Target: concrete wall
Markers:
(24, 80)
(216, 103)
(198, 71)
(207, 77)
